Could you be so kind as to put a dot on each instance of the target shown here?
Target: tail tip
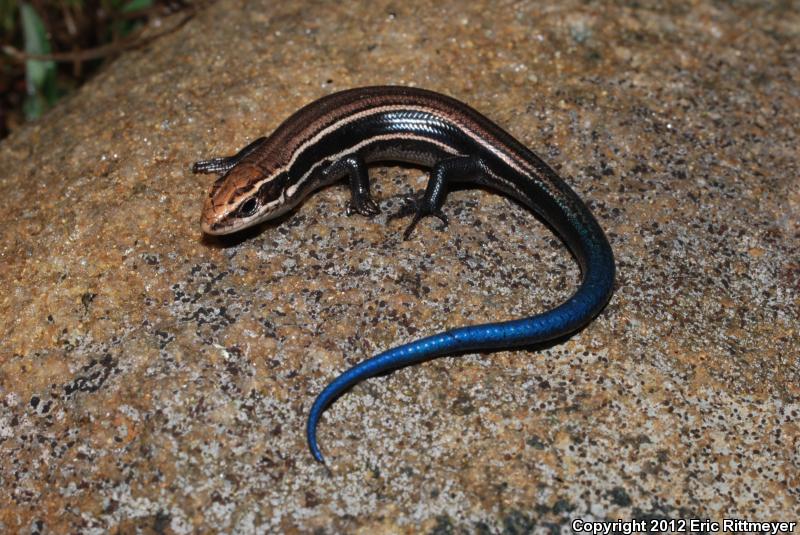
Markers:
(311, 437)
(317, 454)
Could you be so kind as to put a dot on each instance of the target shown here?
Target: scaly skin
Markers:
(339, 135)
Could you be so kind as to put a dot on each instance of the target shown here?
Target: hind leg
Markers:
(459, 168)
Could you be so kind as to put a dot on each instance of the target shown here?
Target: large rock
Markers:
(153, 379)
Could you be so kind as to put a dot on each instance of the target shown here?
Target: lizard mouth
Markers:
(212, 229)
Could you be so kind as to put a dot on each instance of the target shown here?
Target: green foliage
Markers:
(136, 5)
(124, 27)
(40, 76)
(81, 35)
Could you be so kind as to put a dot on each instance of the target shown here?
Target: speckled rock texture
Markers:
(155, 381)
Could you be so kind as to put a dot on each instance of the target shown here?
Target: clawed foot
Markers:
(364, 205)
(420, 209)
(224, 164)
(214, 165)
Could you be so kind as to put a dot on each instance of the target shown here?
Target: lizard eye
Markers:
(248, 207)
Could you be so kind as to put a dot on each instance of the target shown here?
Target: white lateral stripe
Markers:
(493, 148)
(386, 137)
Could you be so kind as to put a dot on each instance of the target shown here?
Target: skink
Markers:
(338, 135)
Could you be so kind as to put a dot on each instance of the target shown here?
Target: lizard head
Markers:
(244, 197)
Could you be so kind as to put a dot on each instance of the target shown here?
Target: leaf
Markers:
(36, 42)
(33, 106)
(136, 5)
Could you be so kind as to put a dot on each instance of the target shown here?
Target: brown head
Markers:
(243, 197)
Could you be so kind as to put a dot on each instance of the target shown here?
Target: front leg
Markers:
(360, 199)
(458, 168)
(226, 163)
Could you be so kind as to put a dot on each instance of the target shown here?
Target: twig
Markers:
(131, 42)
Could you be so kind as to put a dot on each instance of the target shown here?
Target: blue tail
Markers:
(590, 298)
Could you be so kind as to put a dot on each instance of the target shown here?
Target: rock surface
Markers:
(152, 380)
